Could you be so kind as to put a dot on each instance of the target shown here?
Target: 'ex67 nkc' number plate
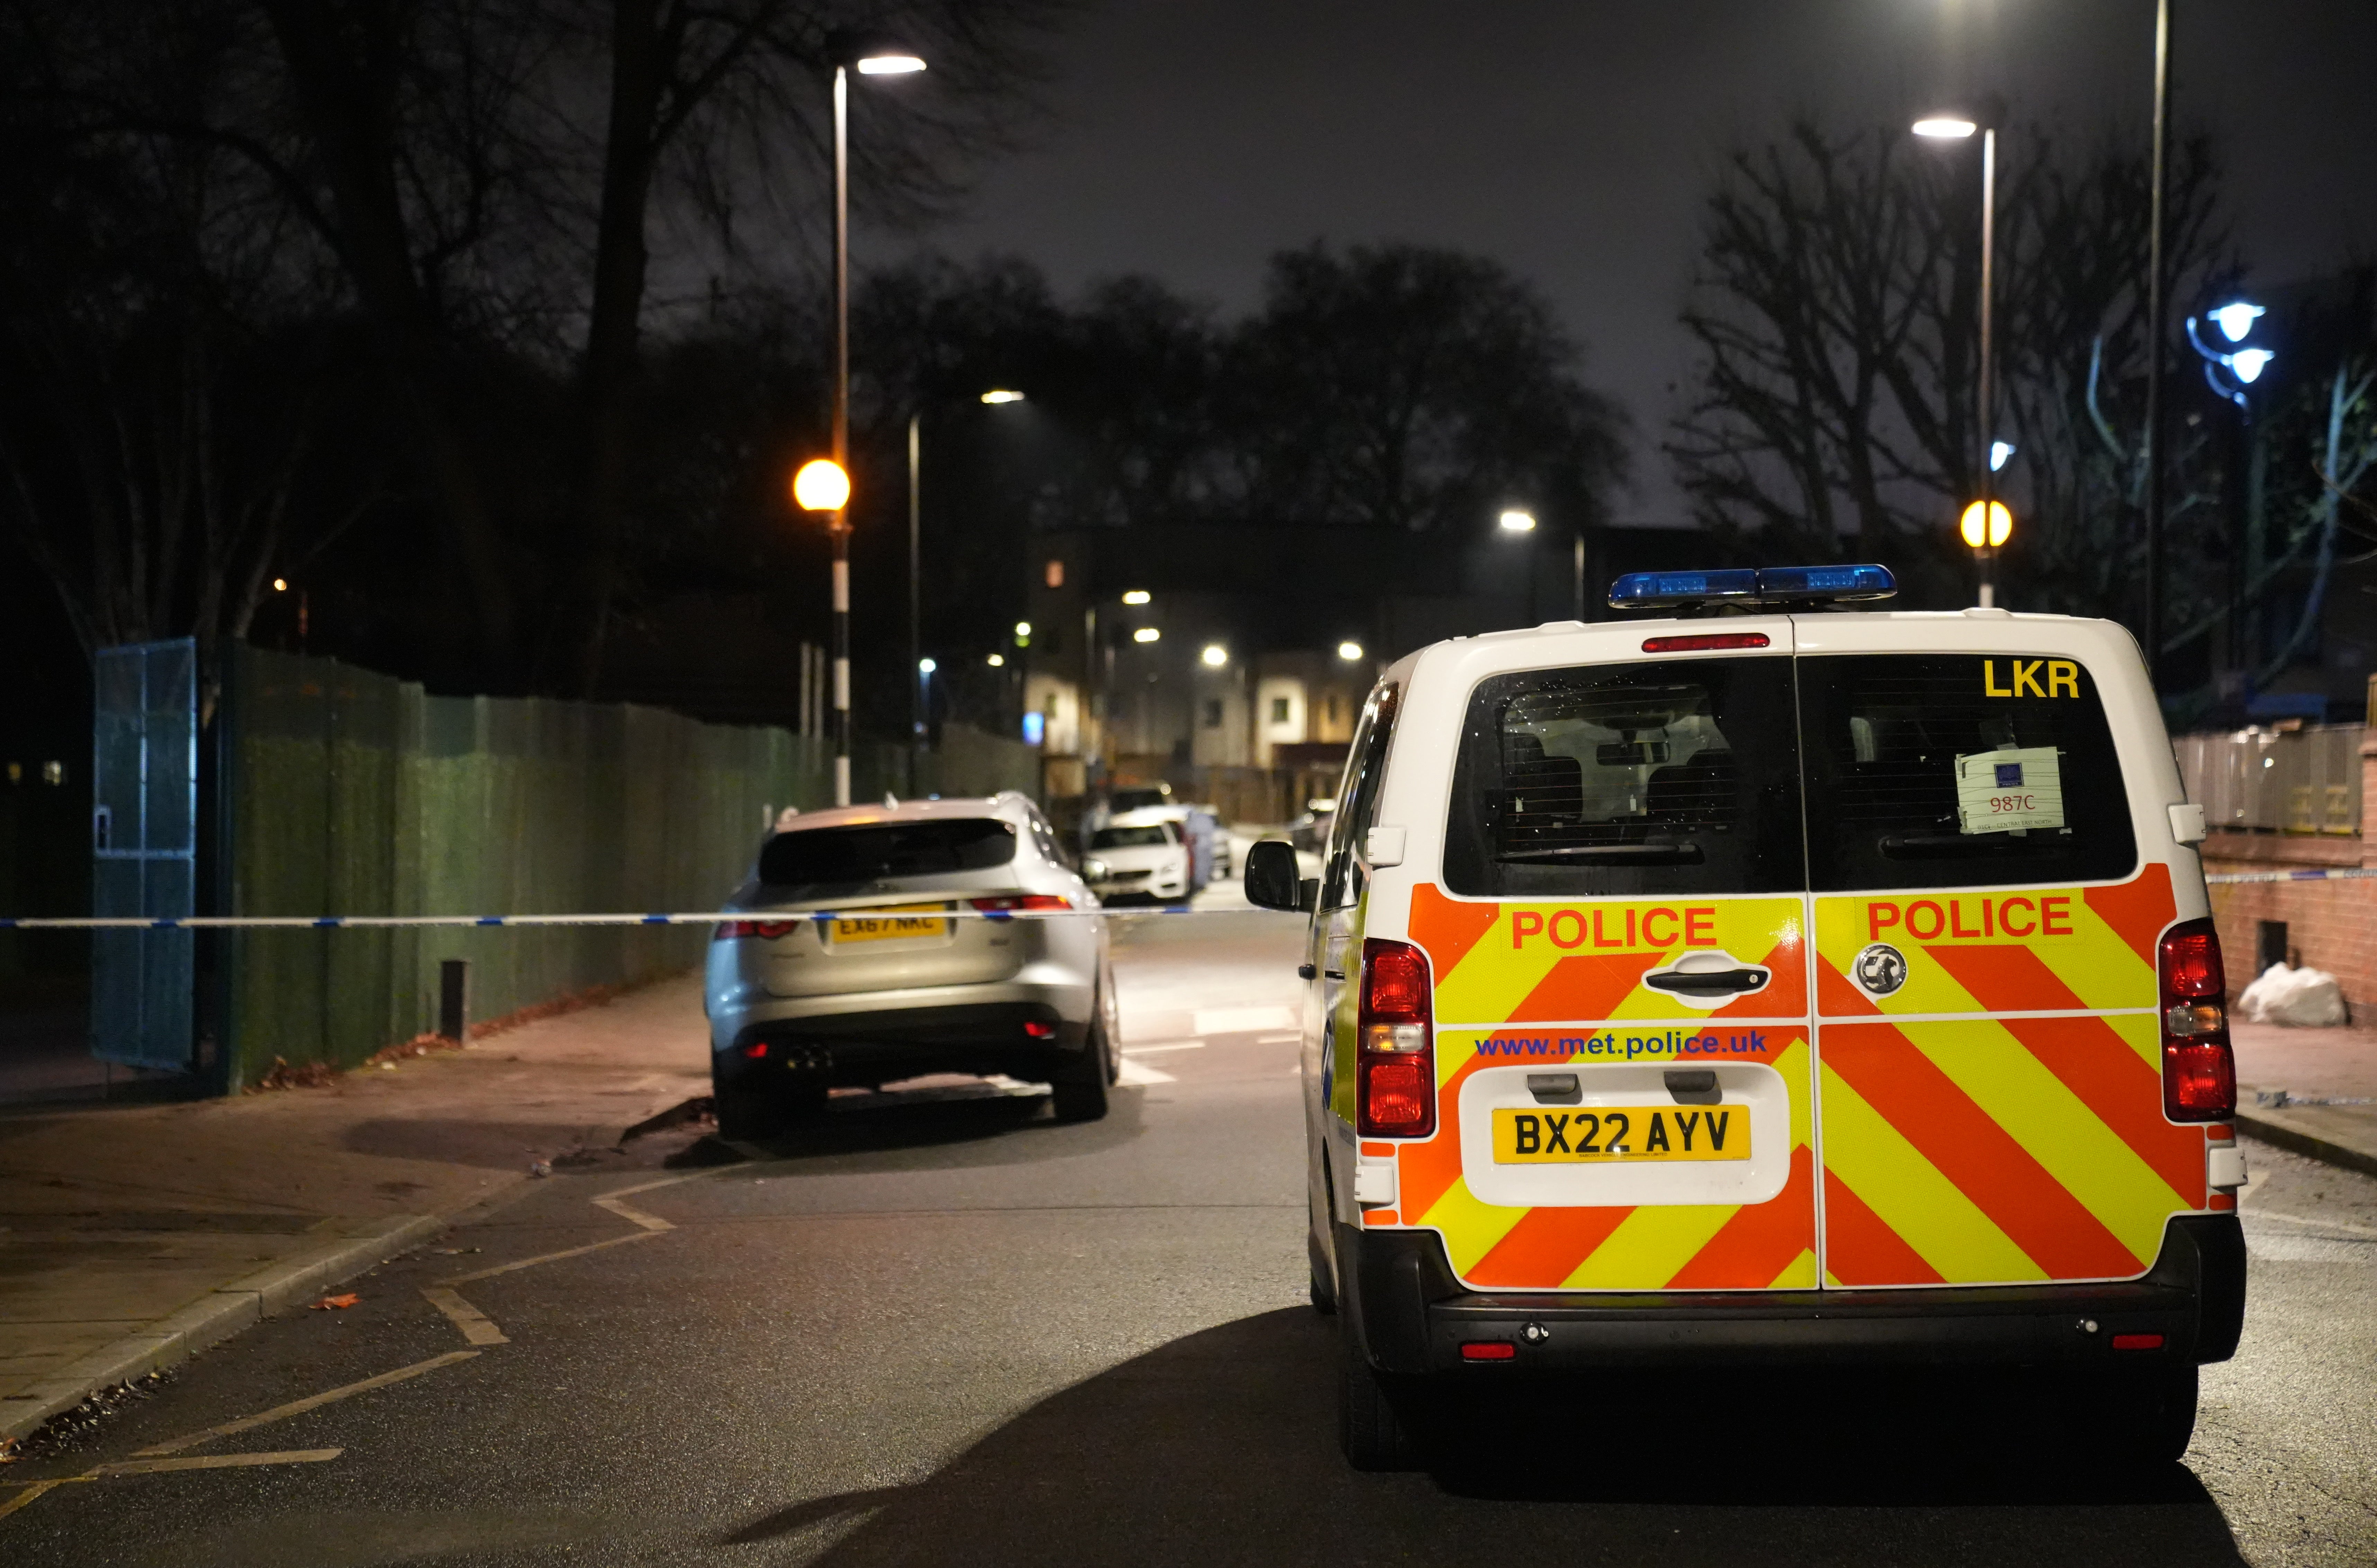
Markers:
(1645, 1132)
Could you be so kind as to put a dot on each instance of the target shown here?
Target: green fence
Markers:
(348, 792)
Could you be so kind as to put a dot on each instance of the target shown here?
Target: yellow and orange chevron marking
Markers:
(1571, 962)
(1977, 1148)
(2031, 950)
(1522, 963)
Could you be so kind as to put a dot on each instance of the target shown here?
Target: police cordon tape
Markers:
(770, 917)
(713, 917)
(2345, 873)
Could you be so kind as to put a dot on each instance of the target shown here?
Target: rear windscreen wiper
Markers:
(1685, 853)
(1959, 846)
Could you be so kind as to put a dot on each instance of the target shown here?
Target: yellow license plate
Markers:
(1628, 1135)
(890, 925)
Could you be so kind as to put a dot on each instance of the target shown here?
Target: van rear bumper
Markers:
(1399, 1292)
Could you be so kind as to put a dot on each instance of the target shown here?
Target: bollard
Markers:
(454, 1000)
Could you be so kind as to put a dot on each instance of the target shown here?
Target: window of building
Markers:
(1213, 713)
(1333, 707)
(1279, 710)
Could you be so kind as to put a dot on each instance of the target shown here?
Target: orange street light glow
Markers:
(821, 486)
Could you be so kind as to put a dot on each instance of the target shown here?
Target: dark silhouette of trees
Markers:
(1835, 315)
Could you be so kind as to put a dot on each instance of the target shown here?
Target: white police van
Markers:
(1775, 984)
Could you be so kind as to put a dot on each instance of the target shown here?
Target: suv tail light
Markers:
(1395, 1049)
(736, 931)
(2199, 1072)
(1019, 901)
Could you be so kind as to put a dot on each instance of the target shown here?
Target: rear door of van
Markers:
(1991, 876)
(1617, 949)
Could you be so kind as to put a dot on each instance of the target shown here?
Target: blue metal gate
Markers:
(144, 850)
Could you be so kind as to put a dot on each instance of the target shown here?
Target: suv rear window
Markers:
(900, 849)
(1671, 776)
(1947, 770)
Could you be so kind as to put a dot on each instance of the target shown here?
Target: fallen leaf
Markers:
(339, 1303)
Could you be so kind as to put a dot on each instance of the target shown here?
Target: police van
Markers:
(1778, 983)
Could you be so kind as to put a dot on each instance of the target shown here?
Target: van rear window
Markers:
(1949, 770)
(933, 848)
(1671, 776)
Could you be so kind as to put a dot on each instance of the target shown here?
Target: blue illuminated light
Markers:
(2236, 319)
(1683, 587)
(1746, 584)
(1035, 725)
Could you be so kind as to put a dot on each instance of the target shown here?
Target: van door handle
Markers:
(1709, 982)
(1334, 974)
(1304, 971)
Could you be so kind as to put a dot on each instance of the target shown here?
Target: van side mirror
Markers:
(1270, 878)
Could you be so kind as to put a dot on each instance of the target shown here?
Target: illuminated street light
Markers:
(1349, 651)
(822, 485)
(2000, 525)
(1023, 628)
(926, 665)
(846, 49)
(2235, 320)
(1137, 596)
(1960, 127)
(1216, 655)
(2248, 363)
(280, 585)
(997, 661)
(1002, 395)
(1516, 521)
(1145, 635)
(1999, 452)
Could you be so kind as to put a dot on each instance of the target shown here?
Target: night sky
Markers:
(1575, 142)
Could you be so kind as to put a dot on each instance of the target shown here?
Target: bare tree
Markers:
(158, 345)
(1404, 387)
(1835, 315)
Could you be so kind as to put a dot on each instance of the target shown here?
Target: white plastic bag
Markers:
(2301, 999)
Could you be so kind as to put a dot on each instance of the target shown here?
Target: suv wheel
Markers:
(1369, 1426)
(746, 1115)
(1080, 1088)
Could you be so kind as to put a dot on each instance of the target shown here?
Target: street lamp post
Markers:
(2157, 328)
(869, 58)
(917, 715)
(1957, 128)
(2231, 366)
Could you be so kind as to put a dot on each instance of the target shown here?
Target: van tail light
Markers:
(1396, 1048)
(738, 931)
(1008, 901)
(2199, 1071)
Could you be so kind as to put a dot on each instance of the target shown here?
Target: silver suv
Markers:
(884, 944)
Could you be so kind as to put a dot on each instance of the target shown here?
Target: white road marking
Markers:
(554, 1257)
(1140, 1073)
(1243, 1020)
(299, 1406)
(215, 1462)
(476, 1326)
(1128, 1050)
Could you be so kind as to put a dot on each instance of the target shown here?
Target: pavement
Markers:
(2295, 1089)
(133, 1236)
(957, 1331)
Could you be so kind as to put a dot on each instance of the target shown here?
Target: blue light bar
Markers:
(1746, 584)
(1643, 590)
(1826, 582)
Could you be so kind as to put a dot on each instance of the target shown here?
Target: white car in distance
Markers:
(1140, 855)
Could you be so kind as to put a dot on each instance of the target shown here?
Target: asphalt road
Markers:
(951, 1331)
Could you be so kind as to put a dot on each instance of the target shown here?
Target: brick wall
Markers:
(2331, 925)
